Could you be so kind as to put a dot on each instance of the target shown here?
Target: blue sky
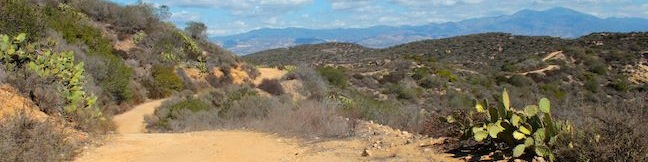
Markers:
(227, 17)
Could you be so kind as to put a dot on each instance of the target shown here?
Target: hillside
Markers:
(491, 56)
(590, 80)
(78, 63)
(556, 22)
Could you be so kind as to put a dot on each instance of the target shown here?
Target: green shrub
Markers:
(20, 16)
(420, 73)
(446, 74)
(599, 68)
(458, 100)
(433, 82)
(593, 83)
(553, 89)
(335, 76)
(621, 84)
(357, 105)
(165, 81)
(192, 104)
(520, 81)
(109, 70)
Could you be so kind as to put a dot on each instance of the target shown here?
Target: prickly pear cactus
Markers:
(529, 131)
(46, 63)
(190, 44)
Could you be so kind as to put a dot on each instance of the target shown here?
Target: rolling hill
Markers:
(557, 22)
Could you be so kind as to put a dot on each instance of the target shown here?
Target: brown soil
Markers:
(13, 102)
(268, 73)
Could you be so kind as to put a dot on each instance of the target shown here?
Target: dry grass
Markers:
(613, 131)
(235, 108)
(26, 139)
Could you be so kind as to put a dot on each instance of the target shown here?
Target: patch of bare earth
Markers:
(13, 103)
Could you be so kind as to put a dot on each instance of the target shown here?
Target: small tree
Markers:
(197, 30)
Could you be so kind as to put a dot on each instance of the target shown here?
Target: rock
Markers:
(409, 141)
(366, 153)
(538, 159)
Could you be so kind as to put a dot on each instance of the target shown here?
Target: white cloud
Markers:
(184, 16)
(425, 3)
(243, 7)
(349, 4)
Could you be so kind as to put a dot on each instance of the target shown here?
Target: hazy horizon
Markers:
(229, 17)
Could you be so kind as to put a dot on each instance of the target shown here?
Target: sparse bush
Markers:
(133, 18)
(3, 75)
(593, 83)
(306, 118)
(621, 84)
(614, 131)
(26, 139)
(520, 81)
(44, 94)
(236, 107)
(458, 100)
(553, 89)
(272, 86)
(335, 76)
(314, 85)
(389, 112)
(98, 9)
(435, 125)
(402, 92)
(393, 77)
(598, 68)
(420, 73)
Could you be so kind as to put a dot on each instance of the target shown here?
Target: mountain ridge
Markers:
(557, 22)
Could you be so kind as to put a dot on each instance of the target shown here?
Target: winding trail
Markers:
(132, 144)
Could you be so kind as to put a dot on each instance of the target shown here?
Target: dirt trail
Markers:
(132, 144)
(133, 120)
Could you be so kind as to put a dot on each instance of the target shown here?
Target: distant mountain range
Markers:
(558, 22)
